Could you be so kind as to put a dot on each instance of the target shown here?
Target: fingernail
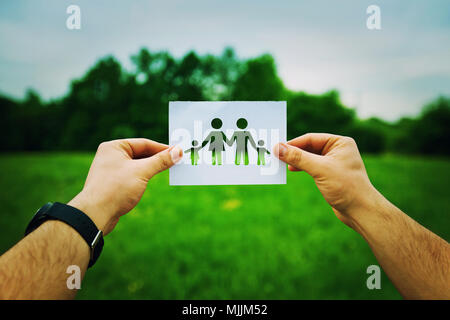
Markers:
(282, 149)
(176, 153)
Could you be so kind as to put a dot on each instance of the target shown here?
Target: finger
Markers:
(318, 143)
(138, 148)
(299, 159)
(161, 161)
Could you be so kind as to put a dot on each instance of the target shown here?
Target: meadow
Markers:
(228, 242)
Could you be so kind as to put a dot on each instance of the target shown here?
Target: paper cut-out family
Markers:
(217, 140)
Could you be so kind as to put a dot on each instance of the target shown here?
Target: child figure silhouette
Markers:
(261, 153)
(194, 152)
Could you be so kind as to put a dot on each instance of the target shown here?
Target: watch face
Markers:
(40, 214)
(42, 210)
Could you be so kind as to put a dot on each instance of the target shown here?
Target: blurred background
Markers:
(63, 91)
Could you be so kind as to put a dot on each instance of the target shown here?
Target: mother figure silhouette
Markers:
(216, 139)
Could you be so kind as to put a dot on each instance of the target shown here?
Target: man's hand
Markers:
(35, 268)
(416, 260)
(337, 168)
(118, 177)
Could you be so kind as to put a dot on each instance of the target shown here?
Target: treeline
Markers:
(109, 102)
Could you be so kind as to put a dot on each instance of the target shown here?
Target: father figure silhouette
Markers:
(242, 138)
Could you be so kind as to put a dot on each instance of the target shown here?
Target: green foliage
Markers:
(9, 121)
(429, 133)
(259, 81)
(317, 113)
(228, 242)
(432, 132)
(369, 135)
(111, 103)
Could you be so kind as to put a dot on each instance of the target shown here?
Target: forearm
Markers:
(416, 260)
(35, 268)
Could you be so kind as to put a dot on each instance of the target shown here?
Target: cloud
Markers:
(318, 45)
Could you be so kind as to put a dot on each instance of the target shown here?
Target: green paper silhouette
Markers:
(216, 140)
(194, 152)
(261, 153)
(242, 138)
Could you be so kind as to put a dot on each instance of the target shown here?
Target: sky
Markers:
(317, 45)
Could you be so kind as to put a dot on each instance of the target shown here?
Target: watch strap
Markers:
(77, 220)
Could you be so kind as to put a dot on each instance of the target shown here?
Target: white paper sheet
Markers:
(265, 124)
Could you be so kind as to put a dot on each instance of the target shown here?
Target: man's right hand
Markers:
(415, 259)
(337, 168)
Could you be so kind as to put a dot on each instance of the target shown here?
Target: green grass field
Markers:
(228, 242)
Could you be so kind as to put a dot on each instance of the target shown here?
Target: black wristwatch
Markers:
(74, 218)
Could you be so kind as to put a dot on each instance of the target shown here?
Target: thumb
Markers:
(161, 161)
(298, 158)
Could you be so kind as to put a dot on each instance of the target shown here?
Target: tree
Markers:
(259, 81)
(317, 113)
(111, 103)
(430, 134)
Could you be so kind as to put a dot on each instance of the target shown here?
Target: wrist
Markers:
(92, 209)
(366, 211)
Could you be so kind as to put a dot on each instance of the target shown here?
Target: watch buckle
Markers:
(94, 242)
